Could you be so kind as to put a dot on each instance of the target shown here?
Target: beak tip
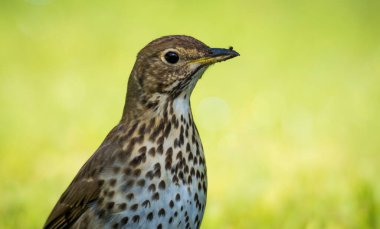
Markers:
(224, 52)
(234, 53)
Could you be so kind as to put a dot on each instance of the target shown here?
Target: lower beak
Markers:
(217, 55)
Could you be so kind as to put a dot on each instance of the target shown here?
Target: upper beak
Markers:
(217, 55)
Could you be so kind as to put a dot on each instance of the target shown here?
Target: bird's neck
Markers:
(141, 106)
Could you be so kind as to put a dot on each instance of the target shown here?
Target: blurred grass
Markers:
(290, 128)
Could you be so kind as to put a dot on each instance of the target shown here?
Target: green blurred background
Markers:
(290, 128)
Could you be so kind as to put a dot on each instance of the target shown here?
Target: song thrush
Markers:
(150, 170)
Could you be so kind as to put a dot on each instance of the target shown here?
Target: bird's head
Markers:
(172, 64)
(169, 67)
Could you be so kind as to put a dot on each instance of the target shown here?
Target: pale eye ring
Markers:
(171, 57)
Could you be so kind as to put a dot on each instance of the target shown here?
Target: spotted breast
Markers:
(150, 171)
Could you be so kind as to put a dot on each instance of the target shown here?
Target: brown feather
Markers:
(85, 187)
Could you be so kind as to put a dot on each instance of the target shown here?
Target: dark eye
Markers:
(171, 57)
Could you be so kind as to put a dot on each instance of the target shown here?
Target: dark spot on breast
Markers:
(180, 175)
(157, 130)
(110, 205)
(167, 129)
(186, 131)
(179, 155)
(149, 217)
(132, 129)
(160, 140)
(176, 143)
(142, 129)
(124, 220)
(127, 171)
(165, 112)
(181, 138)
(190, 157)
(160, 149)
(112, 182)
(146, 203)
(161, 212)
(152, 151)
(127, 152)
(196, 197)
(152, 187)
(134, 207)
(149, 175)
(101, 213)
(193, 138)
(159, 226)
(138, 139)
(138, 159)
(177, 197)
(175, 121)
(196, 219)
(168, 159)
(151, 124)
(137, 172)
(136, 219)
(129, 184)
(175, 179)
(130, 196)
(169, 151)
(157, 170)
(171, 204)
(192, 171)
(122, 206)
(116, 169)
(141, 182)
(100, 182)
(161, 185)
(142, 150)
(156, 196)
(110, 194)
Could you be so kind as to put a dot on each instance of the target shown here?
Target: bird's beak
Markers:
(216, 55)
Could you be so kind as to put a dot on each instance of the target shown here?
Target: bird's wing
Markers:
(72, 204)
(83, 190)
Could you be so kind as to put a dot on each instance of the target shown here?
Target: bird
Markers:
(150, 170)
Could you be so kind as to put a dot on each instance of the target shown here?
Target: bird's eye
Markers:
(171, 57)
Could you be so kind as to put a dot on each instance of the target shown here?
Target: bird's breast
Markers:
(164, 180)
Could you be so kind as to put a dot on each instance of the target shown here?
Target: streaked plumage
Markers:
(150, 170)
